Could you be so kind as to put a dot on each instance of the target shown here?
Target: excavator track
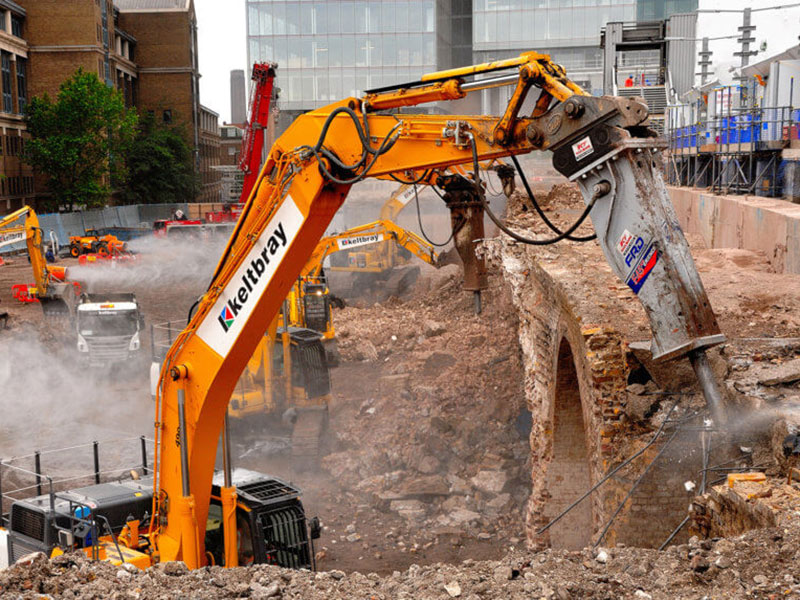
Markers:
(307, 437)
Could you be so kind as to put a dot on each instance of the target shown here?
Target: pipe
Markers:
(144, 455)
(477, 297)
(186, 488)
(96, 453)
(228, 497)
(708, 383)
(226, 451)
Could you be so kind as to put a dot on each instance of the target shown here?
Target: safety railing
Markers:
(24, 476)
(162, 336)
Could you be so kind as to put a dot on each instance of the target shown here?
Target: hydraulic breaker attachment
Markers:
(466, 219)
(636, 225)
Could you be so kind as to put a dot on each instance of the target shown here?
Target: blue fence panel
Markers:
(133, 220)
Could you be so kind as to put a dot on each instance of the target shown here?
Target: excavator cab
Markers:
(317, 305)
(271, 523)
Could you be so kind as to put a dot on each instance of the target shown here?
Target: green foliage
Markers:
(160, 165)
(80, 140)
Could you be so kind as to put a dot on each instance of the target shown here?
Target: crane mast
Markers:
(263, 78)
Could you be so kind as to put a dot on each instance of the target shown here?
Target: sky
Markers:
(222, 37)
(223, 41)
(779, 29)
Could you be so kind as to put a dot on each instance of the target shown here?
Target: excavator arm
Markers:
(600, 142)
(381, 231)
(48, 279)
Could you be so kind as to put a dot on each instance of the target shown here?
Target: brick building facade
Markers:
(16, 183)
(147, 49)
(209, 152)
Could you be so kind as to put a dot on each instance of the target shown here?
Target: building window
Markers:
(22, 83)
(16, 26)
(2, 20)
(167, 116)
(5, 67)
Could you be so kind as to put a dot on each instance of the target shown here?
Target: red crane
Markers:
(253, 140)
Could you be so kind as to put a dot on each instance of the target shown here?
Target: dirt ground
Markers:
(762, 565)
(349, 497)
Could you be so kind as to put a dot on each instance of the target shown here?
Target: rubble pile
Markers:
(439, 444)
(759, 564)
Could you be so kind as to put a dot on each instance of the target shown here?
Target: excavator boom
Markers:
(49, 281)
(383, 231)
(305, 180)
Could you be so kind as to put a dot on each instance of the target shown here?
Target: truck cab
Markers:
(109, 328)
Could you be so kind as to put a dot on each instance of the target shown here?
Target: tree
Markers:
(160, 165)
(80, 139)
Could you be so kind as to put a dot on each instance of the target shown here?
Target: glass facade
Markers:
(657, 10)
(329, 50)
(568, 30)
(533, 23)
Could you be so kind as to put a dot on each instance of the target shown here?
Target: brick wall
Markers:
(575, 382)
(568, 475)
(163, 43)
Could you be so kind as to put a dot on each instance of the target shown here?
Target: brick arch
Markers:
(568, 473)
(551, 337)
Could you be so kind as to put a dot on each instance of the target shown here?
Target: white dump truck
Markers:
(109, 328)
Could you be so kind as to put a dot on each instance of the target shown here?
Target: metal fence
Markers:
(63, 225)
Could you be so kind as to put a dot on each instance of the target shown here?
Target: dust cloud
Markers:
(157, 262)
(51, 400)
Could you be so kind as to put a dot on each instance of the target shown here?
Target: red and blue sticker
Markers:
(640, 258)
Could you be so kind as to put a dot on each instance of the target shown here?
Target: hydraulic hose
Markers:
(553, 227)
(422, 230)
(600, 189)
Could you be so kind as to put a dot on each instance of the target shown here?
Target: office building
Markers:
(567, 30)
(17, 183)
(330, 50)
(147, 49)
(210, 154)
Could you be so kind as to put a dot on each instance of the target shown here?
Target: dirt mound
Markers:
(763, 564)
(438, 443)
(563, 195)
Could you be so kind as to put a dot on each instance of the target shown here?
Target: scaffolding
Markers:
(731, 144)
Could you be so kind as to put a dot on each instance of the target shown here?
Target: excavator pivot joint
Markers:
(179, 372)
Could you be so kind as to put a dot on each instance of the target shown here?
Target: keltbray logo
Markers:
(360, 240)
(226, 318)
(242, 293)
(251, 277)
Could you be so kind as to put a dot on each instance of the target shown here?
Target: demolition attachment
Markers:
(605, 141)
(466, 220)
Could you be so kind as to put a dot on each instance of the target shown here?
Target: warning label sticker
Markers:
(582, 148)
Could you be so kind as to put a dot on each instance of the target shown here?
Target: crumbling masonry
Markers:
(576, 380)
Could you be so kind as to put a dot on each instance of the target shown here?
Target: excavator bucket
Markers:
(54, 307)
(400, 280)
(56, 303)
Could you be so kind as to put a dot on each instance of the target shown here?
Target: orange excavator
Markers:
(602, 143)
